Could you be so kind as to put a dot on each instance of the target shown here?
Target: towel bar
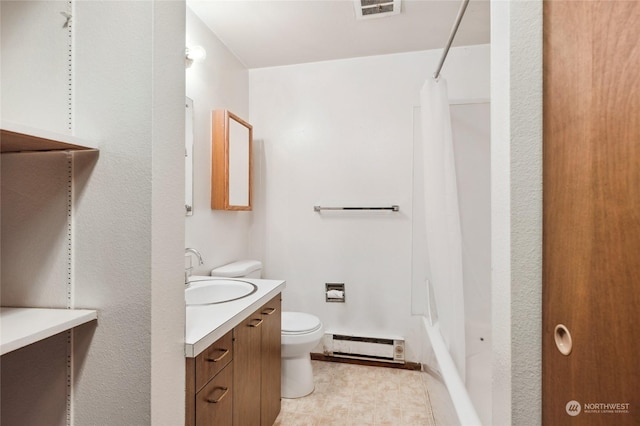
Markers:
(394, 208)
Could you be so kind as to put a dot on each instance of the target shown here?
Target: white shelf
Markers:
(18, 138)
(20, 327)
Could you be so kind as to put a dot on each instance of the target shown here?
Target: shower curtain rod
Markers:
(454, 30)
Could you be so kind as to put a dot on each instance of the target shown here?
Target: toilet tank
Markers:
(239, 269)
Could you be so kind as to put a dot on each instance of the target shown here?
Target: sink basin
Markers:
(211, 291)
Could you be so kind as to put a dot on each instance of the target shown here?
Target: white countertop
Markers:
(207, 323)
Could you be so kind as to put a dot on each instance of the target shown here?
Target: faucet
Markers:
(187, 271)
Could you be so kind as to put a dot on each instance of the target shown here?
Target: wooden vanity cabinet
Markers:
(214, 403)
(270, 392)
(257, 360)
(209, 385)
(247, 344)
(236, 381)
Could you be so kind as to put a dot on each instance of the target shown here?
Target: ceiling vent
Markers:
(366, 9)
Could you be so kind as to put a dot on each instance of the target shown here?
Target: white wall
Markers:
(516, 199)
(129, 96)
(167, 215)
(219, 82)
(34, 273)
(34, 39)
(127, 234)
(341, 133)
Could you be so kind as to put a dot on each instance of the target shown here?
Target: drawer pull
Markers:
(224, 353)
(224, 393)
(269, 311)
(256, 324)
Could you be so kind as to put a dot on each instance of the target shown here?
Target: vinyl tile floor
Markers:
(357, 395)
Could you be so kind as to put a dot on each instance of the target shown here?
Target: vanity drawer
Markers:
(213, 359)
(214, 403)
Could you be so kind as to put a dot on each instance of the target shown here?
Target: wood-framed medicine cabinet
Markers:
(231, 162)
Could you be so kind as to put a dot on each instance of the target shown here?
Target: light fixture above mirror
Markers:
(194, 54)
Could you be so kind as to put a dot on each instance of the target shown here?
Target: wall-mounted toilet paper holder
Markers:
(334, 292)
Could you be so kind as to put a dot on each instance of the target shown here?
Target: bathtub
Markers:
(455, 386)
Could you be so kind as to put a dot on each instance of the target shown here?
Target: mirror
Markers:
(231, 173)
(188, 157)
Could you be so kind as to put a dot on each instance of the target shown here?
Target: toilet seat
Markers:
(295, 323)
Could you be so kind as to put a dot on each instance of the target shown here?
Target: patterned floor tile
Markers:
(347, 394)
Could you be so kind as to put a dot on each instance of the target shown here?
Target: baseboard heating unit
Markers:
(367, 348)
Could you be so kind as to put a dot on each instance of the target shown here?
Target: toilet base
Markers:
(297, 376)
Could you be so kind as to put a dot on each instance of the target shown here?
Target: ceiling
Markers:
(265, 33)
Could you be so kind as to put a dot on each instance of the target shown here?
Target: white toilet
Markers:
(239, 269)
(301, 333)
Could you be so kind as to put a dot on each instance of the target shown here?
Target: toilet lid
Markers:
(299, 322)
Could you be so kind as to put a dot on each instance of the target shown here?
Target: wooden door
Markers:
(271, 361)
(591, 236)
(247, 351)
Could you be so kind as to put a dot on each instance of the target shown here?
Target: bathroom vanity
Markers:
(233, 360)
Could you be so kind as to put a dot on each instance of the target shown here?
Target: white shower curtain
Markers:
(443, 217)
